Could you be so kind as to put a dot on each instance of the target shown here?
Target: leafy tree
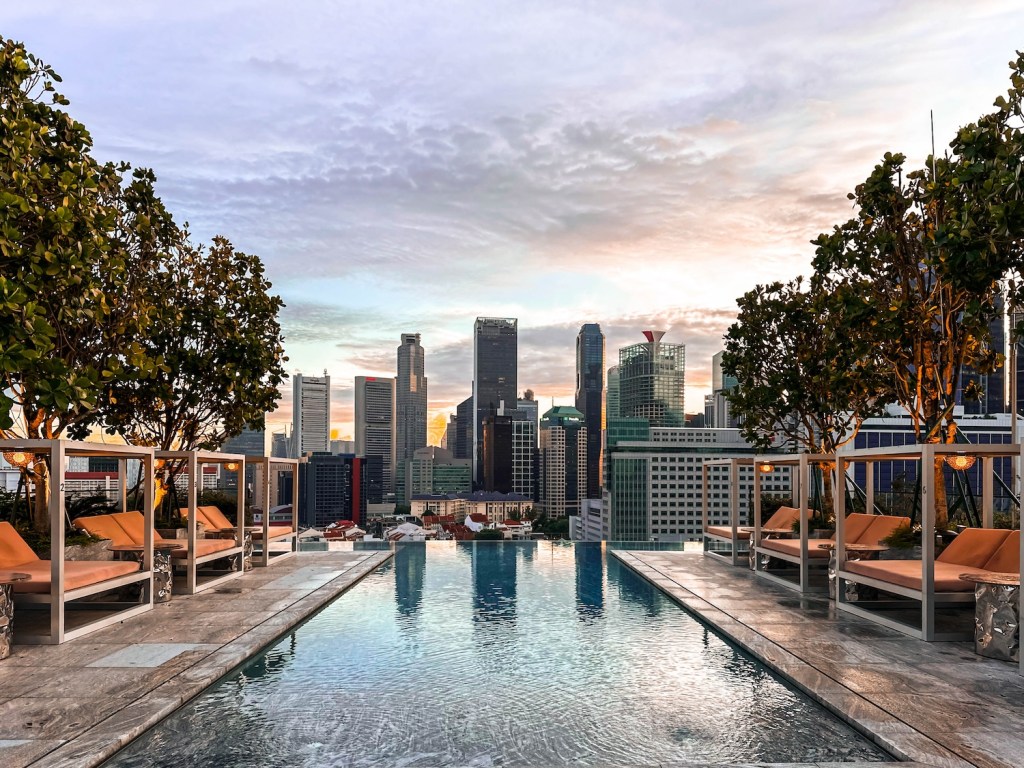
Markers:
(488, 534)
(70, 314)
(923, 322)
(801, 375)
(219, 341)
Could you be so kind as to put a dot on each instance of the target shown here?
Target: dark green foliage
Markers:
(488, 534)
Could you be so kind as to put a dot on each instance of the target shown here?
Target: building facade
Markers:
(375, 424)
(611, 397)
(331, 488)
(652, 380)
(495, 372)
(462, 447)
(434, 470)
(410, 398)
(655, 480)
(311, 414)
(563, 461)
(590, 399)
(498, 507)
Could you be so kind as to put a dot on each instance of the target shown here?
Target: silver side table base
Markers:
(996, 615)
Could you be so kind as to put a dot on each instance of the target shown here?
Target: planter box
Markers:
(95, 551)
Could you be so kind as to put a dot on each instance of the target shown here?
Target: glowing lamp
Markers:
(765, 466)
(960, 461)
(19, 459)
(231, 466)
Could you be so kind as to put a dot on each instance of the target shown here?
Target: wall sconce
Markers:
(960, 461)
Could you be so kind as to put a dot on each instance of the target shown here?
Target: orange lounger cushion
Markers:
(104, 527)
(276, 531)
(880, 527)
(725, 531)
(77, 574)
(216, 519)
(13, 549)
(792, 547)
(973, 547)
(856, 524)
(907, 573)
(203, 547)
(784, 517)
(1007, 558)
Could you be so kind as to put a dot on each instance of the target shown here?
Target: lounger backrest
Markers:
(134, 525)
(784, 517)
(13, 549)
(216, 517)
(881, 527)
(200, 516)
(1007, 558)
(856, 524)
(973, 547)
(104, 527)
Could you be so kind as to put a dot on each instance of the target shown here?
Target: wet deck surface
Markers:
(934, 703)
(76, 704)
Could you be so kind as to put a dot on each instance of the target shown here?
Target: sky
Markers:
(405, 167)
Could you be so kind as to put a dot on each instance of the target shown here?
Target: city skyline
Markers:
(408, 168)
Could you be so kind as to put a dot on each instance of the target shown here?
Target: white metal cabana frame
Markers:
(730, 550)
(194, 462)
(57, 600)
(926, 455)
(266, 464)
(800, 486)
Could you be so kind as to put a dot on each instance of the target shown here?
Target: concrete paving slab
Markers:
(937, 703)
(76, 704)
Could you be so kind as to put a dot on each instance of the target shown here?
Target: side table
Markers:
(7, 580)
(163, 576)
(767, 533)
(996, 614)
(853, 552)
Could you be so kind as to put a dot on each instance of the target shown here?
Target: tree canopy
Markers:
(803, 377)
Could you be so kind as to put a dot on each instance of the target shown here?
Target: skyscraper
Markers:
(721, 385)
(462, 446)
(311, 414)
(590, 398)
(375, 424)
(410, 399)
(651, 381)
(611, 398)
(495, 351)
(563, 461)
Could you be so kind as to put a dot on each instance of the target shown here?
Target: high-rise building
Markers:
(651, 381)
(655, 480)
(524, 455)
(563, 461)
(462, 448)
(721, 416)
(331, 488)
(280, 445)
(434, 470)
(251, 442)
(529, 410)
(495, 384)
(311, 414)
(375, 424)
(590, 398)
(992, 386)
(611, 397)
(410, 399)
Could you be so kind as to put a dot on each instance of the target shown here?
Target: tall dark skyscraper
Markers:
(410, 399)
(462, 445)
(590, 398)
(495, 366)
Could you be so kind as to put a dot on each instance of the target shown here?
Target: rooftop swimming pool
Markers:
(511, 654)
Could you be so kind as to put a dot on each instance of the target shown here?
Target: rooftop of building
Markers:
(473, 496)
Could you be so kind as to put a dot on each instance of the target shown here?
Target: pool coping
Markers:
(101, 740)
(856, 708)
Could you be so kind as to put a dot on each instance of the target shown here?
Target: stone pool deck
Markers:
(933, 703)
(76, 704)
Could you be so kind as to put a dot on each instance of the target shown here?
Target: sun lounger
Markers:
(784, 517)
(977, 551)
(82, 579)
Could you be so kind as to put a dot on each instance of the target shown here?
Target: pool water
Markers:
(510, 654)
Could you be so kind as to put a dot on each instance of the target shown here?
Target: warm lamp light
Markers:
(960, 461)
(159, 463)
(19, 459)
(766, 466)
(231, 466)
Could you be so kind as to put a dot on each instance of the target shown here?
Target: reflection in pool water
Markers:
(515, 654)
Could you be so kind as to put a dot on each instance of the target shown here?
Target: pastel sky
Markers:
(408, 166)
